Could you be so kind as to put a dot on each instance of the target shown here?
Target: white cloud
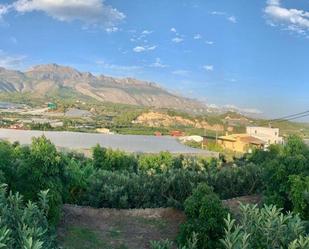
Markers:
(173, 30)
(209, 42)
(243, 110)
(273, 2)
(11, 61)
(118, 68)
(197, 37)
(295, 20)
(139, 49)
(177, 40)
(111, 30)
(228, 17)
(4, 9)
(232, 19)
(90, 12)
(151, 47)
(208, 67)
(218, 13)
(158, 64)
(181, 72)
(147, 32)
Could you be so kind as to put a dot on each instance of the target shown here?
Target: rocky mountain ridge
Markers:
(43, 80)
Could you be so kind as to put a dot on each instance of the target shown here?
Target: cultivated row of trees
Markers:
(115, 179)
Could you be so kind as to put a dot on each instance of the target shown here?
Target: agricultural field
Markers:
(83, 227)
(116, 200)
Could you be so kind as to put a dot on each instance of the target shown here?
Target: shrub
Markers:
(132, 190)
(156, 163)
(230, 182)
(265, 228)
(24, 226)
(40, 167)
(299, 195)
(108, 159)
(205, 217)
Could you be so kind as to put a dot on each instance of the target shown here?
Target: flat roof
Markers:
(127, 143)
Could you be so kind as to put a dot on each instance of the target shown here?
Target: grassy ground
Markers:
(88, 228)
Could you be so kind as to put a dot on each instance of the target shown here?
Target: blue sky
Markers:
(250, 54)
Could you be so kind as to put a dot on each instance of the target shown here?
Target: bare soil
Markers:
(132, 229)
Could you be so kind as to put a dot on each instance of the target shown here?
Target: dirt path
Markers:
(83, 227)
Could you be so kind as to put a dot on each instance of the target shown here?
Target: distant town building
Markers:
(52, 106)
(158, 134)
(77, 113)
(241, 143)
(267, 134)
(104, 131)
(17, 126)
(194, 138)
(177, 133)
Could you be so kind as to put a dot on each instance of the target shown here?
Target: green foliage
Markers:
(108, 159)
(126, 118)
(156, 163)
(278, 166)
(238, 181)
(205, 217)
(24, 226)
(163, 244)
(265, 228)
(99, 156)
(28, 170)
(41, 167)
(41, 126)
(132, 190)
(114, 178)
(299, 195)
(166, 244)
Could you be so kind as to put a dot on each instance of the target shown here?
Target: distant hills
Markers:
(53, 79)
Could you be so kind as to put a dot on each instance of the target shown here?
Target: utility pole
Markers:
(204, 139)
(216, 135)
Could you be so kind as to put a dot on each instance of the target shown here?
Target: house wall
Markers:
(268, 135)
(237, 146)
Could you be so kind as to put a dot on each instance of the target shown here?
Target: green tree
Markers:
(41, 167)
(205, 217)
(299, 195)
(99, 156)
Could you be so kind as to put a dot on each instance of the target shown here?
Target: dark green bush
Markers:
(205, 217)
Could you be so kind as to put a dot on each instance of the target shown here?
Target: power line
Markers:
(291, 117)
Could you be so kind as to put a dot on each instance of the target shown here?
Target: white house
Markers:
(267, 134)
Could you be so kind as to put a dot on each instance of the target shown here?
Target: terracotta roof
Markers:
(252, 140)
(228, 138)
(244, 138)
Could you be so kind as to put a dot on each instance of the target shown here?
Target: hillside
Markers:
(157, 119)
(52, 80)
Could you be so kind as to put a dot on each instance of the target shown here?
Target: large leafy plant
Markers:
(266, 228)
(24, 226)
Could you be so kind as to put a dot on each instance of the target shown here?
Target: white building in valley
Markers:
(267, 134)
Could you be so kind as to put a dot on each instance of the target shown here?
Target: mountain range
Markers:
(46, 80)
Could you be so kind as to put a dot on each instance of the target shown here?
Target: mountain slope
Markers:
(43, 80)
